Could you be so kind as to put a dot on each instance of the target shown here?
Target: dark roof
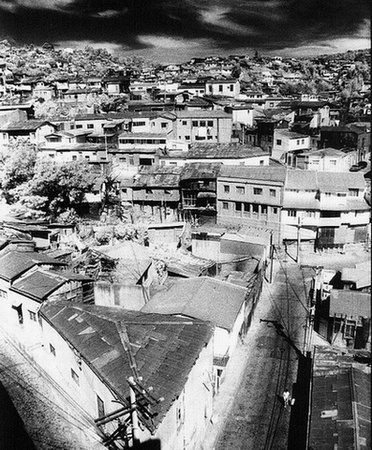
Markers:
(225, 151)
(343, 129)
(341, 402)
(201, 298)
(158, 176)
(39, 284)
(164, 348)
(200, 170)
(264, 173)
(14, 263)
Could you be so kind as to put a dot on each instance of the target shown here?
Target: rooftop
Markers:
(264, 173)
(225, 151)
(164, 348)
(201, 298)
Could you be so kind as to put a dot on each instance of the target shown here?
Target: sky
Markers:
(167, 31)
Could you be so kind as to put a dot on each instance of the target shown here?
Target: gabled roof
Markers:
(14, 263)
(225, 151)
(201, 298)
(29, 125)
(163, 348)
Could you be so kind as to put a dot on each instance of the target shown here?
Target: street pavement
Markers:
(248, 411)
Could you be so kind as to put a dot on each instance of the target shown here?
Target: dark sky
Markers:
(176, 30)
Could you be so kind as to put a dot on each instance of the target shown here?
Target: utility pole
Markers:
(298, 240)
(133, 406)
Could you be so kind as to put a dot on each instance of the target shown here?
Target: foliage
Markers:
(68, 217)
(63, 184)
(19, 161)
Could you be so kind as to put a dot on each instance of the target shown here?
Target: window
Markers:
(202, 123)
(302, 141)
(255, 208)
(78, 127)
(231, 87)
(148, 191)
(123, 159)
(275, 210)
(310, 213)
(246, 207)
(257, 191)
(292, 213)
(238, 206)
(272, 193)
(225, 205)
(349, 330)
(3, 293)
(164, 124)
(124, 190)
(32, 315)
(131, 160)
(200, 138)
(75, 376)
(353, 192)
(220, 87)
(240, 190)
(194, 123)
(209, 138)
(328, 214)
(184, 122)
(263, 209)
(139, 124)
(261, 162)
(327, 194)
(100, 407)
(52, 350)
(332, 162)
(87, 158)
(74, 158)
(187, 138)
(90, 126)
(341, 194)
(210, 123)
(316, 161)
(298, 142)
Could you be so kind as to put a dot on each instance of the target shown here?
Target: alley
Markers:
(253, 415)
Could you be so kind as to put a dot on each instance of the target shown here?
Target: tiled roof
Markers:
(164, 348)
(29, 125)
(202, 298)
(265, 173)
(158, 176)
(231, 151)
(14, 263)
(349, 303)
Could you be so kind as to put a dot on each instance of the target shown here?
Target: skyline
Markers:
(165, 31)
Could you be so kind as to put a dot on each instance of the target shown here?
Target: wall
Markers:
(114, 294)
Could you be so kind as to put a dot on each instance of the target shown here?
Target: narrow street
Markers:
(255, 417)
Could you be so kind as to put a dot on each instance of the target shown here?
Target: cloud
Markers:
(220, 25)
(109, 46)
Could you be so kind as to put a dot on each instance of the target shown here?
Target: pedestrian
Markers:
(286, 397)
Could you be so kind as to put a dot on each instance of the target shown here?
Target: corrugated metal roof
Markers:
(264, 173)
(200, 170)
(349, 303)
(14, 263)
(234, 151)
(341, 402)
(165, 348)
(38, 284)
(202, 298)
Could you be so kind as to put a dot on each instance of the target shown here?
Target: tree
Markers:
(19, 161)
(62, 184)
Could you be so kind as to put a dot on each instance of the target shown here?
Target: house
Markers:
(329, 208)
(265, 131)
(316, 112)
(93, 153)
(201, 125)
(287, 144)
(326, 160)
(208, 299)
(241, 113)
(251, 196)
(198, 191)
(348, 137)
(340, 408)
(223, 87)
(155, 189)
(34, 131)
(111, 360)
